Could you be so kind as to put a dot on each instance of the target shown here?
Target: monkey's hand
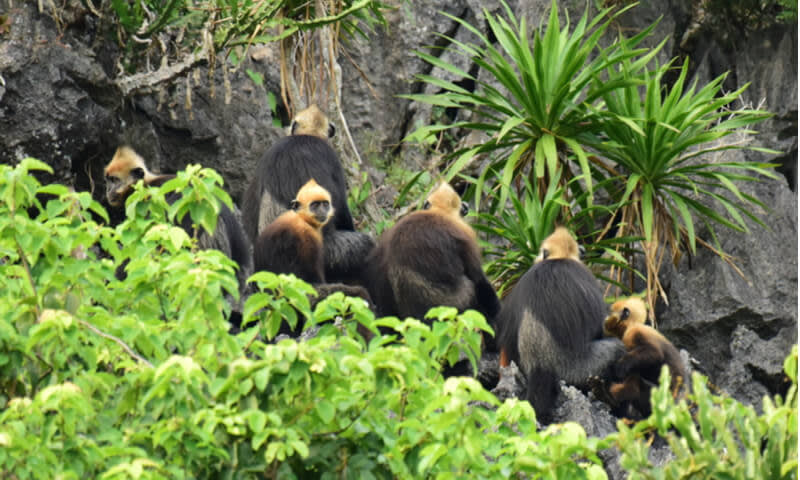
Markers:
(599, 388)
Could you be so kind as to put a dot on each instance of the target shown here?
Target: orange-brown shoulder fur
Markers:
(293, 242)
(559, 244)
(311, 121)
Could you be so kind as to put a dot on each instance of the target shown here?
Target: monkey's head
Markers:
(445, 200)
(125, 169)
(312, 121)
(560, 244)
(624, 313)
(313, 204)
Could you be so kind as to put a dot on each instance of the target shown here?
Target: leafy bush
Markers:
(140, 378)
(718, 437)
(543, 96)
(221, 25)
(661, 154)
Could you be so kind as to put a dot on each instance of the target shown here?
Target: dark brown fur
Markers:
(430, 258)
(647, 351)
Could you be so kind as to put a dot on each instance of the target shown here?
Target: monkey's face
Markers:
(615, 323)
(119, 186)
(319, 211)
(624, 313)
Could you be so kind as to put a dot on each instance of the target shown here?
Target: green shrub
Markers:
(717, 437)
(140, 378)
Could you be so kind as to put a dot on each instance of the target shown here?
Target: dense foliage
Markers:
(223, 24)
(138, 377)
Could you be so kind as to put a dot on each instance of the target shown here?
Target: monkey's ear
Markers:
(545, 254)
(294, 205)
(426, 205)
(293, 128)
(331, 130)
(137, 173)
(581, 252)
(464, 209)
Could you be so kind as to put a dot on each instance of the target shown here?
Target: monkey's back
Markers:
(567, 301)
(421, 261)
(648, 339)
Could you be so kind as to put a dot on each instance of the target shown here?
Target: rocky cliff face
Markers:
(59, 103)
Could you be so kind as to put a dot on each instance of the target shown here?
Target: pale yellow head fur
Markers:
(559, 244)
(626, 312)
(443, 200)
(311, 121)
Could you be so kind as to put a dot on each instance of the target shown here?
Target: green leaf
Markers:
(256, 420)
(647, 211)
(325, 410)
(511, 123)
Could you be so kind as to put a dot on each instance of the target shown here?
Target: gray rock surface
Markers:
(59, 103)
(741, 329)
(55, 99)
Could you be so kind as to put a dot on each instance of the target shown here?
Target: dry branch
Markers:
(141, 81)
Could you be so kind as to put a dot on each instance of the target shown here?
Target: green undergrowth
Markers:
(108, 376)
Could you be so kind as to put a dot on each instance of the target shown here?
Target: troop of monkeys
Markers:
(554, 324)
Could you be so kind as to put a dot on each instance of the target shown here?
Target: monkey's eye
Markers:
(137, 173)
(625, 313)
(426, 205)
(545, 254)
(319, 203)
(464, 209)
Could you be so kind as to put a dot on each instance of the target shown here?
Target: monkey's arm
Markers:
(485, 296)
(628, 390)
(641, 357)
(345, 254)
